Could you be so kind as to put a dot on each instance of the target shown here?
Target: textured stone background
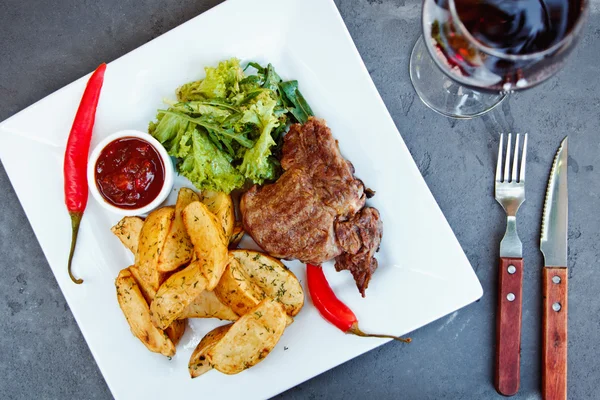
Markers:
(46, 45)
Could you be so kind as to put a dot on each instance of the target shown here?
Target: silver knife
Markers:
(553, 244)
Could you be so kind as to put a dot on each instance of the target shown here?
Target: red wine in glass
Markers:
(501, 45)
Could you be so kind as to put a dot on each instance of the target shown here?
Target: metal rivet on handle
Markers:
(512, 269)
(510, 297)
(556, 279)
(556, 306)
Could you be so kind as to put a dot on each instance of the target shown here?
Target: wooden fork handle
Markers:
(508, 326)
(554, 333)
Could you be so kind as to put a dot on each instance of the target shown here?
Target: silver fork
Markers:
(510, 193)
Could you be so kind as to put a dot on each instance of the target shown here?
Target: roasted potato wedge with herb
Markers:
(148, 291)
(272, 277)
(207, 305)
(237, 290)
(221, 205)
(178, 247)
(179, 291)
(152, 239)
(236, 236)
(128, 231)
(234, 348)
(198, 363)
(176, 330)
(210, 243)
(137, 313)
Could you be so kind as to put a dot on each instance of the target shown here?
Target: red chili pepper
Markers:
(332, 309)
(76, 157)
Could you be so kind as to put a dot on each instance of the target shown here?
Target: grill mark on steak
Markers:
(315, 211)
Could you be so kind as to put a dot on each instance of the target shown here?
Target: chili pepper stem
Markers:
(75, 221)
(355, 330)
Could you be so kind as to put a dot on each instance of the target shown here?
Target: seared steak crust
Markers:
(288, 221)
(314, 212)
(359, 238)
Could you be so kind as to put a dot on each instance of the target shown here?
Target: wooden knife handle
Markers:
(508, 326)
(554, 331)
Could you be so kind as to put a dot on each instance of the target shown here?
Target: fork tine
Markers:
(507, 160)
(499, 162)
(523, 159)
(515, 165)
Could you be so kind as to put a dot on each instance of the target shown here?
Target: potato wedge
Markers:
(176, 330)
(208, 305)
(210, 244)
(151, 242)
(147, 290)
(179, 291)
(236, 236)
(250, 339)
(128, 231)
(178, 247)
(221, 205)
(244, 344)
(134, 306)
(272, 277)
(237, 290)
(198, 363)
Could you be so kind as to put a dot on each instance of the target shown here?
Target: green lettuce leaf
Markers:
(216, 111)
(257, 165)
(207, 168)
(228, 128)
(170, 130)
(211, 126)
(220, 82)
(295, 102)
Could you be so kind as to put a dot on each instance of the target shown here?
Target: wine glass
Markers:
(474, 52)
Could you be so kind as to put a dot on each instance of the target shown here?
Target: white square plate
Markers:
(423, 273)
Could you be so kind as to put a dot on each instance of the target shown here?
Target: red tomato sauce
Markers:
(129, 173)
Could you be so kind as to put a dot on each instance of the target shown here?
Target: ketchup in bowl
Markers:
(129, 173)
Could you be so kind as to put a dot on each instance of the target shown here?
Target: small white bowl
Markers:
(166, 159)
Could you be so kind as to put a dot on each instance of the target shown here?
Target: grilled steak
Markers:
(316, 210)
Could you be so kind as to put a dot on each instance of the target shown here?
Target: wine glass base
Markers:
(442, 94)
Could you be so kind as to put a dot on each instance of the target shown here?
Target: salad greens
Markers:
(228, 128)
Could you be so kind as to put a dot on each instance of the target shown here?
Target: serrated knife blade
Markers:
(553, 241)
(555, 281)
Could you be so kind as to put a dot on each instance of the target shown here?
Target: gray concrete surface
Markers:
(45, 45)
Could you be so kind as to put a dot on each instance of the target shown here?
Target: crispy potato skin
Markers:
(210, 243)
(233, 348)
(128, 231)
(250, 339)
(237, 290)
(252, 276)
(198, 363)
(152, 239)
(221, 205)
(208, 305)
(179, 291)
(176, 330)
(236, 236)
(272, 277)
(178, 247)
(135, 308)
(147, 290)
